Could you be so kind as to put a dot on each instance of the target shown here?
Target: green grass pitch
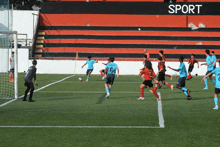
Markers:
(73, 103)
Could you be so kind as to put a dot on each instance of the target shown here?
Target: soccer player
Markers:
(12, 64)
(31, 73)
(209, 64)
(112, 67)
(161, 75)
(163, 60)
(214, 59)
(102, 72)
(217, 85)
(149, 75)
(146, 58)
(90, 63)
(182, 80)
(191, 61)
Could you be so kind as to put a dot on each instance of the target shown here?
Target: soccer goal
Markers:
(8, 77)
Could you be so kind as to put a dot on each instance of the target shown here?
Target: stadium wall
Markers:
(125, 67)
(23, 22)
(73, 66)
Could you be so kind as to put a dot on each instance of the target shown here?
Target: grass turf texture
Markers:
(75, 103)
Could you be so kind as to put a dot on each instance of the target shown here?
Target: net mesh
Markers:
(6, 83)
(6, 87)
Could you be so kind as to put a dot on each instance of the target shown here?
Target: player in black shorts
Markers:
(191, 62)
(31, 73)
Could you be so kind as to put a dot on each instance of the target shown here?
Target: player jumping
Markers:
(90, 63)
(217, 85)
(182, 80)
(149, 75)
(213, 59)
(163, 60)
(161, 75)
(209, 64)
(191, 61)
(112, 67)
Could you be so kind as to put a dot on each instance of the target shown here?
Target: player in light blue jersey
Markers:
(217, 84)
(90, 63)
(182, 80)
(209, 64)
(12, 64)
(214, 59)
(112, 67)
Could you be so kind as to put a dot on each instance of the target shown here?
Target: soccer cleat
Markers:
(31, 101)
(24, 99)
(103, 78)
(87, 80)
(215, 108)
(171, 87)
(189, 97)
(158, 93)
(206, 88)
(140, 98)
(107, 95)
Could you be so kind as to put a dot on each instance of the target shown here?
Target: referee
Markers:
(31, 73)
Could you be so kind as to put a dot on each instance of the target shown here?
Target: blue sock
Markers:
(213, 80)
(206, 83)
(184, 89)
(107, 90)
(87, 78)
(216, 100)
(185, 92)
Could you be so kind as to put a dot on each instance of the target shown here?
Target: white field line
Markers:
(117, 127)
(104, 82)
(89, 92)
(160, 114)
(37, 90)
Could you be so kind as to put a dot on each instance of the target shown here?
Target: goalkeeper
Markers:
(31, 73)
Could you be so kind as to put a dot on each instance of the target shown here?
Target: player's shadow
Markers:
(101, 99)
(193, 99)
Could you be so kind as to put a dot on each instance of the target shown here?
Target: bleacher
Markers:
(77, 29)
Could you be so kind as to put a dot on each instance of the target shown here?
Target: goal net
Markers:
(8, 66)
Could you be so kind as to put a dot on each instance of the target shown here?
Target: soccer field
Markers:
(68, 112)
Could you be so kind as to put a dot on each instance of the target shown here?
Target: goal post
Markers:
(8, 89)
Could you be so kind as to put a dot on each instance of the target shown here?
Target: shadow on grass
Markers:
(101, 99)
(193, 98)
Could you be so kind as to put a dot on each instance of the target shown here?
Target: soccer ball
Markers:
(80, 79)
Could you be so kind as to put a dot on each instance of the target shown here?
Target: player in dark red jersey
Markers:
(161, 75)
(191, 61)
(149, 75)
(163, 60)
(102, 72)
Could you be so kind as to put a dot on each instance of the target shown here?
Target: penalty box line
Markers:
(160, 116)
(103, 127)
(37, 90)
